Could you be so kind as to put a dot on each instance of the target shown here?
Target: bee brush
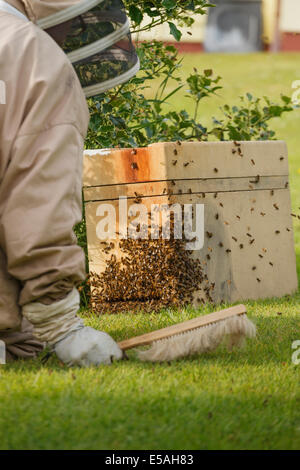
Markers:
(194, 336)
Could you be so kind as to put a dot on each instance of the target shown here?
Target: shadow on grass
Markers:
(149, 418)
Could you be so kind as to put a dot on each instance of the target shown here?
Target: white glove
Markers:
(58, 325)
(86, 347)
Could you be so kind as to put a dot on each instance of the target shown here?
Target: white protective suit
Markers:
(43, 123)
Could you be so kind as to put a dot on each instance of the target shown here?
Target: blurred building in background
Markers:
(239, 26)
(234, 26)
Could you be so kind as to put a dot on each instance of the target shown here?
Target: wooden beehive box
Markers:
(248, 251)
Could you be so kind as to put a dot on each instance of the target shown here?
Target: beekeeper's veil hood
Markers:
(96, 39)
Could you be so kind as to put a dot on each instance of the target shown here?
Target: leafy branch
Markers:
(156, 12)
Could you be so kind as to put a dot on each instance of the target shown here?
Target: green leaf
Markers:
(191, 6)
(286, 99)
(169, 4)
(135, 14)
(174, 31)
(208, 72)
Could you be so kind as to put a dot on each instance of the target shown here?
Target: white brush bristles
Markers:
(232, 331)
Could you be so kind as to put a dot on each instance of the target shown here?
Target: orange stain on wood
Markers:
(135, 165)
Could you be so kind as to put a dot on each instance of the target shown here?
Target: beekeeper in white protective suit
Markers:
(43, 124)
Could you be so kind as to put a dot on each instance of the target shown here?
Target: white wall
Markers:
(290, 16)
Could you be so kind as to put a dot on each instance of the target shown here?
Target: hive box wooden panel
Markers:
(248, 250)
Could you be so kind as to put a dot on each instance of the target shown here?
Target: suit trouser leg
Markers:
(10, 312)
(14, 331)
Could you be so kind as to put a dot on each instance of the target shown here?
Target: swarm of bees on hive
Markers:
(150, 275)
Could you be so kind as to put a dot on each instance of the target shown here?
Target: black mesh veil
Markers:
(97, 42)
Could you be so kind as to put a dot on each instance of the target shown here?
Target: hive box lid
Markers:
(185, 160)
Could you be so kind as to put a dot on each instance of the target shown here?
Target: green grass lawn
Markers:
(247, 399)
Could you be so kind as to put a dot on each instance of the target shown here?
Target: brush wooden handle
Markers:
(179, 328)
